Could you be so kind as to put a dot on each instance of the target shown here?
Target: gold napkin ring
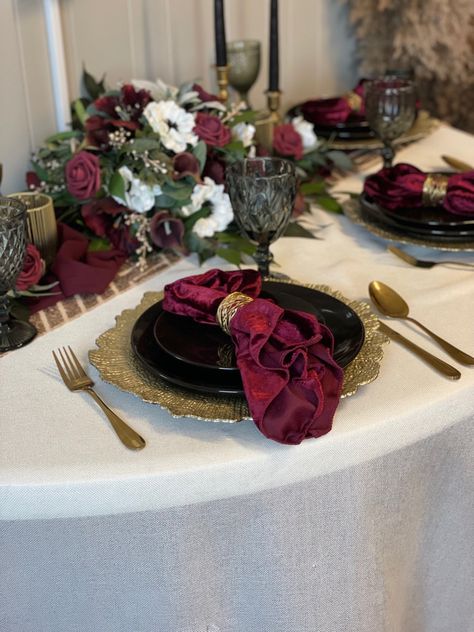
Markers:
(435, 188)
(354, 100)
(228, 308)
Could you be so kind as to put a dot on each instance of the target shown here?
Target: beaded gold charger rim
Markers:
(117, 365)
(353, 211)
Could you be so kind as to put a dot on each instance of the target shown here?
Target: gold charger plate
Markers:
(423, 126)
(353, 211)
(117, 365)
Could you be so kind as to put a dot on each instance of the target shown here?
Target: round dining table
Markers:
(214, 528)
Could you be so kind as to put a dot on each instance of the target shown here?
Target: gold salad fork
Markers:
(76, 379)
(423, 263)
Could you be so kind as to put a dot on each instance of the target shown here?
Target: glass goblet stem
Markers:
(388, 154)
(263, 259)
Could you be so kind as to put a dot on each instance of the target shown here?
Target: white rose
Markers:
(306, 131)
(139, 197)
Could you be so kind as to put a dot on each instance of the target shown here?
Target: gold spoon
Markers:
(392, 304)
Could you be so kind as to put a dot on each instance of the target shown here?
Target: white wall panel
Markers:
(169, 39)
(26, 103)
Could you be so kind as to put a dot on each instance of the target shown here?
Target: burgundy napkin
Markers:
(291, 381)
(401, 186)
(77, 270)
(335, 110)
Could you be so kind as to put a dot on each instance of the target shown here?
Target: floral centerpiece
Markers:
(143, 168)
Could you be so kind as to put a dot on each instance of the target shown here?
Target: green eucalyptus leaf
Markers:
(181, 194)
(237, 241)
(142, 144)
(117, 186)
(192, 219)
(61, 136)
(98, 244)
(328, 203)
(244, 117)
(296, 230)
(80, 111)
(313, 188)
(94, 88)
(200, 152)
(166, 201)
(230, 255)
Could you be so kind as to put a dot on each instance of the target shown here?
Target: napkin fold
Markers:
(405, 186)
(336, 110)
(291, 380)
(78, 270)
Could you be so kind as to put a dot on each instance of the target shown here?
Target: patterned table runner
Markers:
(129, 275)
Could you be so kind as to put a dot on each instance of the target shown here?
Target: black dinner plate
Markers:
(346, 326)
(424, 226)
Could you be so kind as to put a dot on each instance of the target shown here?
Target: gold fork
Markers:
(76, 379)
(423, 263)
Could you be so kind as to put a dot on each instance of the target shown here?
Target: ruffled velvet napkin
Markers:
(336, 110)
(405, 186)
(77, 270)
(285, 357)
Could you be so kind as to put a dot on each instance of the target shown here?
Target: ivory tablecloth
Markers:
(213, 527)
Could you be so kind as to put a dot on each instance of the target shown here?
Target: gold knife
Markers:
(459, 165)
(437, 364)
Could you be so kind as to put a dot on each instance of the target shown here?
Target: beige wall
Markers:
(170, 39)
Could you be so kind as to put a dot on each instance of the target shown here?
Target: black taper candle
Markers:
(219, 30)
(274, 62)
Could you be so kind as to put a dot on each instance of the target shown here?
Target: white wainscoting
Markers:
(169, 39)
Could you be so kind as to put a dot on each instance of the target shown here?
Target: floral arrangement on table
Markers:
(143, 168)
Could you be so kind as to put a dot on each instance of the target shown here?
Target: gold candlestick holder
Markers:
(268, 119)
(223, 82)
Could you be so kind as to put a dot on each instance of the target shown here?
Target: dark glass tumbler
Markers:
(262, 192)
(390, 106)
(13, 333)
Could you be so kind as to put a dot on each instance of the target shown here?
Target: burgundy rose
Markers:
(214, 169)
(167, 231)
(99, 215)
(211, 130)
(32, 181)
(83, 175)
(33, 268)
(287, 141)
(204, 96)
(186, 164)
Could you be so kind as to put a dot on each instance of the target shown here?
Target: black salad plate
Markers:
(354, 128)
(425, 223)
(200, 357)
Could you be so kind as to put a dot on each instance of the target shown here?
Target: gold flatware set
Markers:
(391, 304)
